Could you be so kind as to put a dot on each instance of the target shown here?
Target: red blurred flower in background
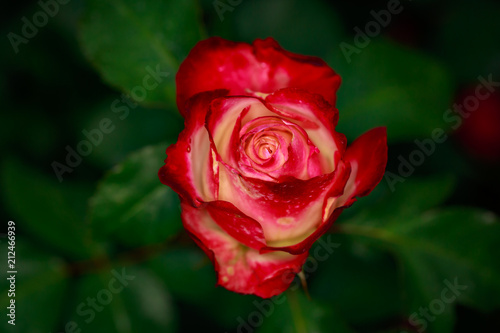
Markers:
(479, 133)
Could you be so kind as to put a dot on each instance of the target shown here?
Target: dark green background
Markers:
(396, 248)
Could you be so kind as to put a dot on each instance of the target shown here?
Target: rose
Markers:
(259, 168)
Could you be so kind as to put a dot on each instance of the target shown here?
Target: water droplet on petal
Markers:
(189, 149)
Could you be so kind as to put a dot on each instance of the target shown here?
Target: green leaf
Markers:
(187, 272)
(41, 284)
(448, 246)
(423, 290)
(387, 85)
(132, 204)
(292, 312)
(122, 300)
(347, 269)
(48, 210)
(360, 281)
(127, 39)
(191, 277)
(132, 127)
(414, 196)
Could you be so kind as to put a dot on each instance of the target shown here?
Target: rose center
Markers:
(265, 147)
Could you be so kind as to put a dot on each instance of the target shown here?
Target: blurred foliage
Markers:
(385, 77)
(470, 57)
(124, 39)
(101, 247)
(131, 201)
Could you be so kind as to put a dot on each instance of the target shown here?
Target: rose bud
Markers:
(260, 170)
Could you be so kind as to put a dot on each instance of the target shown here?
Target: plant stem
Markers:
(298, 318)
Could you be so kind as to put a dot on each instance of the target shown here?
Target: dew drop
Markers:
(189, 149)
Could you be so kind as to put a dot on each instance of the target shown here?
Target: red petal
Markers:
(368, 158)
(188, 166)
(304, 107)
(315, 115)
(239, 226)
(224, 120)
(243, 69)
(326, 220)
(274, 272)
(291, 150)
(288, 211)
(239, 268)
(309, 111)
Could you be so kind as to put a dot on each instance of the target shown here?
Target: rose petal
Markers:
(304, 243)
(188, 168)
(291, 147)
(316, 117)
(224, 120)
(289, 210)
(239, 268)
(241, 227)
(244, 69)
(310, 114)
(368, 158)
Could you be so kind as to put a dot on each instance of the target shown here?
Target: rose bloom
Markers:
(259, 168)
